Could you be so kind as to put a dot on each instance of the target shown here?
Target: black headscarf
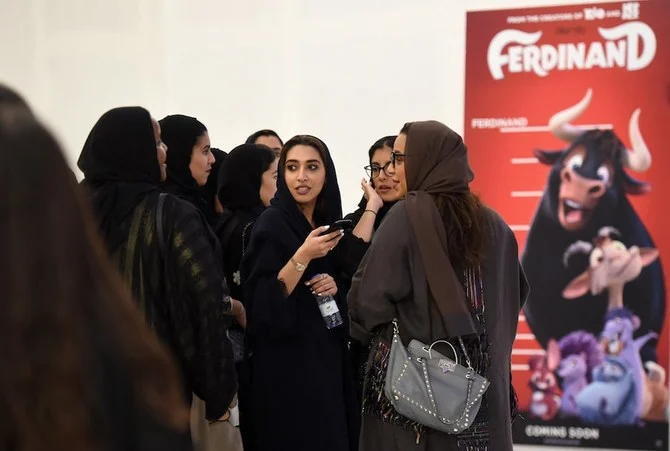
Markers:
(210, 190)
(285, 226)
(120, 165)
(329, 203)
(265, 132)
(212, 184)
(180, 133)
(240, 181)
(240, 177)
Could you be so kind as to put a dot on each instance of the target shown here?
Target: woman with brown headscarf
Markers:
(440, 244)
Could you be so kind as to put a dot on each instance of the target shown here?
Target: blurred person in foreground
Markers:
(79, 368)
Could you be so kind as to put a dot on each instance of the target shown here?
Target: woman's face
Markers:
(399, 167)
(202, 160)
(384, 184)
(269, 183)
(271, 141)
(305, 174)
(161, 149)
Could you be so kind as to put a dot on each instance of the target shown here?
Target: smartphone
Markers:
(341, 224)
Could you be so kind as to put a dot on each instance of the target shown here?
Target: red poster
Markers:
(567, 113)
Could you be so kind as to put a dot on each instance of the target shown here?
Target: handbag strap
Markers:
(466, 409)
(474, 294)
(469, 376)
(396, 331)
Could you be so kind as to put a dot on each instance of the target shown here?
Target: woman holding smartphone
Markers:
(302, 383)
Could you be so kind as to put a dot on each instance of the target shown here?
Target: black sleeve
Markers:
(349, 253)
(351, 249)
(199, 319)
(524, 287)
(271, 310)
(232, 257)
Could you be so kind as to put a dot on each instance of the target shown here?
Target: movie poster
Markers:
(567, 119)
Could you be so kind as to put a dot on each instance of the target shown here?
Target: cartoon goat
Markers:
(611, 266)
(589, 186)
(545, 401)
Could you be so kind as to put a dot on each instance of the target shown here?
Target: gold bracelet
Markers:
(371, 211)
(298, 266)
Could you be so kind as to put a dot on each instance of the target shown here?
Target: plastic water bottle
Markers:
(329, 311)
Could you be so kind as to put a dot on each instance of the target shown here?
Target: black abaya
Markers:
(302, 382)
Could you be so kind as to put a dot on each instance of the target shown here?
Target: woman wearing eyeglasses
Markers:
(380, 194)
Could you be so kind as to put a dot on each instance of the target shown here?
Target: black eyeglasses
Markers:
(397, 158)
(374, 170)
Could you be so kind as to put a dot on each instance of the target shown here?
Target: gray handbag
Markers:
(432, 389)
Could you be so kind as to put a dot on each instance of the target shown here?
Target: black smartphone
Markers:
(341, 224)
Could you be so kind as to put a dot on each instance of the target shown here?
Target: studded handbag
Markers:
(432, 389)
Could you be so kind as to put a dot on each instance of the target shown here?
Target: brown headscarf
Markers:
(437, 163)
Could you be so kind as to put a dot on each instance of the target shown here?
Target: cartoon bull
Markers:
(587, 189)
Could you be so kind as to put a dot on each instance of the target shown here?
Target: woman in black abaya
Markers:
(211, 188)
(182, 299)
(247, 183)
(302, 382)
(190, 162)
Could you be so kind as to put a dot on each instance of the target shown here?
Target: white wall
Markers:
(349, 71)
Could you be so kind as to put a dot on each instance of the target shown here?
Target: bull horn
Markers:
(608, 232)
(638, 158)
(578, 247)
(559, 124)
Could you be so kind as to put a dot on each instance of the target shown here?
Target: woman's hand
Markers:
(239, 313)
(316, 246)
(374, 201)
(322, 285)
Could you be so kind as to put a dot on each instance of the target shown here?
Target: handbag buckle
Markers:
(446, 366)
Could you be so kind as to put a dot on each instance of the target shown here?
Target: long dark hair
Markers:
(321, 208)
(466, 223)
(386, 141)
(66, 313)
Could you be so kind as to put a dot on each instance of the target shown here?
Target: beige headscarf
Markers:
(437, 163)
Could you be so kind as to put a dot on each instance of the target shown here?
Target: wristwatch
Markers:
(298, 266)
